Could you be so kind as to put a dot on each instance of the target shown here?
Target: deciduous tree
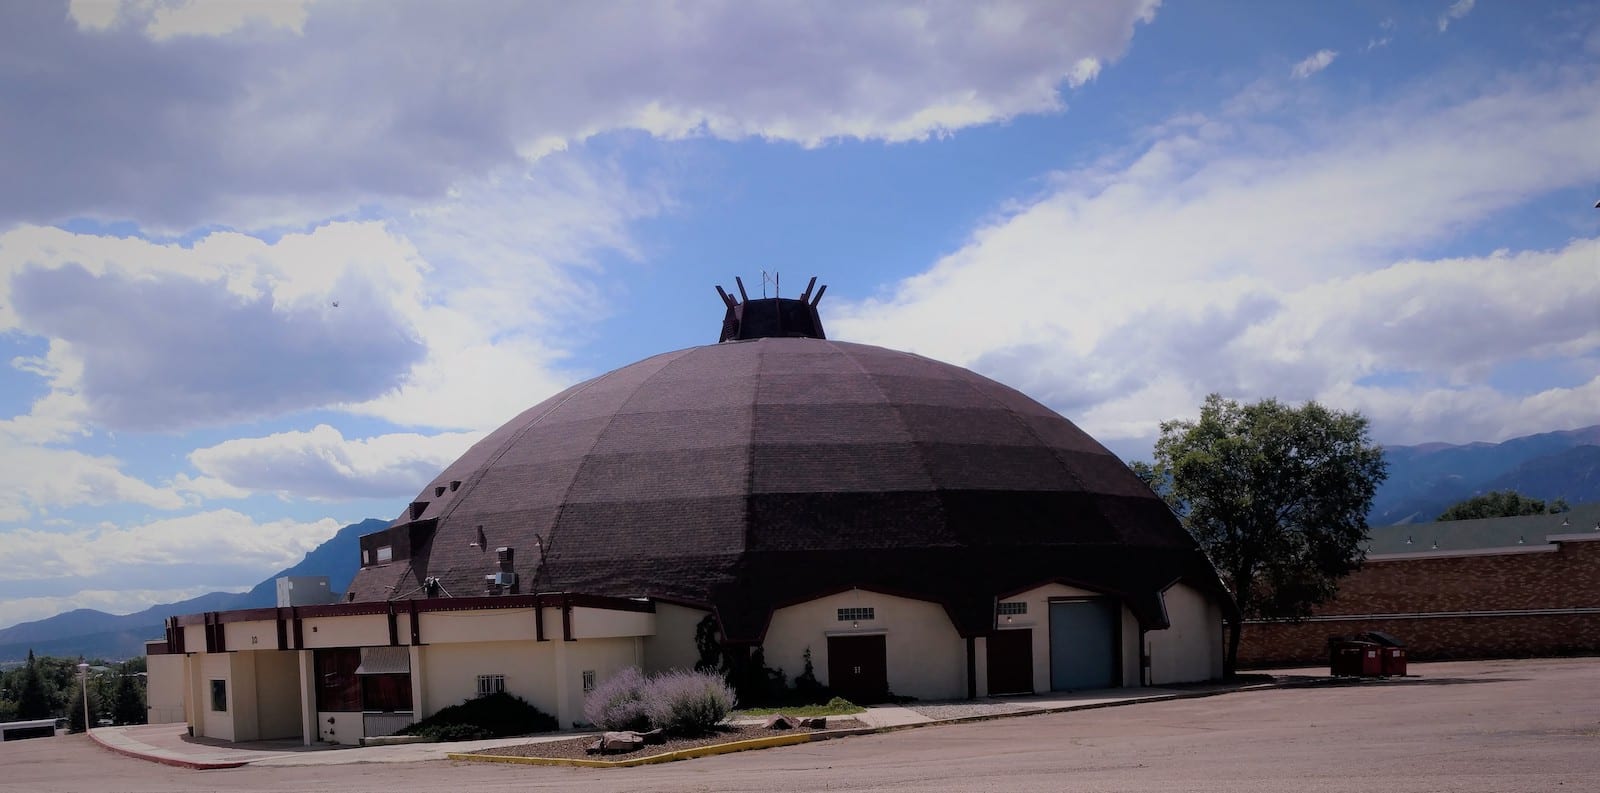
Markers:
(1501, 504)
(1276, 495)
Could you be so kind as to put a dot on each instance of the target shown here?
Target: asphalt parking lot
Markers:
(1485, 726)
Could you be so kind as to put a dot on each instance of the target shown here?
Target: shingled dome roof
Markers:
(752, 474)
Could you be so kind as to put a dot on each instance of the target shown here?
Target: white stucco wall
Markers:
(253, 635)
(344, 728)
(926, 656)
(277, 694)
(1038, 620)
(210, 723)
(363, 630)
(450, 672)
(445, 627)
(604, 657)
(672, 645)
(1191, 649)
(591, 623)
(164, 687)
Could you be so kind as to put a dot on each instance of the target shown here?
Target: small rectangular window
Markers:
(588, 680)
(491, 684)
(219, 696)
(366, 557)
(856, 614)
(385, 553)
(1010, 607)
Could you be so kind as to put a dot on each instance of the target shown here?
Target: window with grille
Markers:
(1011, 607)
(856, 614)
(588, 680)
(491, 684)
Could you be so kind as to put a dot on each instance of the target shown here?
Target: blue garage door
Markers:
(1083, 644)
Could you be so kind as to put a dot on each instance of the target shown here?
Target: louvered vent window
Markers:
(856, 614)
(1012, 607)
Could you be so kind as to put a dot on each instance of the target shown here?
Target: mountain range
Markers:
(96, 634)
(1423, 481)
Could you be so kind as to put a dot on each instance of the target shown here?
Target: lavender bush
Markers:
(687, 703)
(619, 702)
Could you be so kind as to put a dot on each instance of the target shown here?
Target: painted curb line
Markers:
(164, 759)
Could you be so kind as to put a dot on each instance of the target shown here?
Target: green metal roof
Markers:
(1483, 533)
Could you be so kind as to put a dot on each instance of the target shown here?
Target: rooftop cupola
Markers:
(771, 317)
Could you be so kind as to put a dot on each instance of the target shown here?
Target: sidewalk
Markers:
(170, 743)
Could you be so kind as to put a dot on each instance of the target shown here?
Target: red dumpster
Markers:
(1391, 654)
(1354, 658)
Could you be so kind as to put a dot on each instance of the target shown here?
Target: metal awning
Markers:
(384, 661)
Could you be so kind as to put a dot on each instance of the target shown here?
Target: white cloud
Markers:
(42, 478)
(457, 315)
(163, 19)
(323, 464)
(1314, 63)
(396, 103)
(214, 540)
(151, 336)
(118, 601)
(1457, 10)
(1230, 256)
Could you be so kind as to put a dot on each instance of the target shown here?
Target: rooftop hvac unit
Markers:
(501, 579)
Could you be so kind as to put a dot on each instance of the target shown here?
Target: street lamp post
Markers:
(83, 678)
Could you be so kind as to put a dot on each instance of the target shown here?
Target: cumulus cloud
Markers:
(43, 478)
(323, 464)
(1314, 63)
(316, 109)
(231, 328)
(210, 548)
(1221, 258)
(1457, 10)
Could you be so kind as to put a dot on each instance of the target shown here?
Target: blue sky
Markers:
(1117, 207)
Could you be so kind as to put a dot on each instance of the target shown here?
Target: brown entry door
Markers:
(1011, 662)
(858, 669)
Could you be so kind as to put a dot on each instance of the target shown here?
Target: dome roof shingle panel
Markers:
(745, 475)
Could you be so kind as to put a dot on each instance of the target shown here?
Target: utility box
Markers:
(1391, 653)
(1354, 657)
(304, 590)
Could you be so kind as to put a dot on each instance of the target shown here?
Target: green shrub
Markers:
(493, 716)
(618, 702)
(687, 703)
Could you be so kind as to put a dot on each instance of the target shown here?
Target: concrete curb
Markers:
(165, 759)
(823, 735)
(664, 757)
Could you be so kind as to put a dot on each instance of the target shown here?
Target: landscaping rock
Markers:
(595, 748)
(814, 723)
(616, 742)
(781, 722)
(655, 736)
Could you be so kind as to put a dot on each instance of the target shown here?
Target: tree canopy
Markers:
(1276, 495)
(1501, 504)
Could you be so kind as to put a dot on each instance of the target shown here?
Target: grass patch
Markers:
(837, 706)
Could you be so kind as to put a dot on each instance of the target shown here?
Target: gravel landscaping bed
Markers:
(574, 749)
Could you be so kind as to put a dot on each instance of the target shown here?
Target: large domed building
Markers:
(902, 523)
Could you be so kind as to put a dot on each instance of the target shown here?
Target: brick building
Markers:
(1491, 588)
